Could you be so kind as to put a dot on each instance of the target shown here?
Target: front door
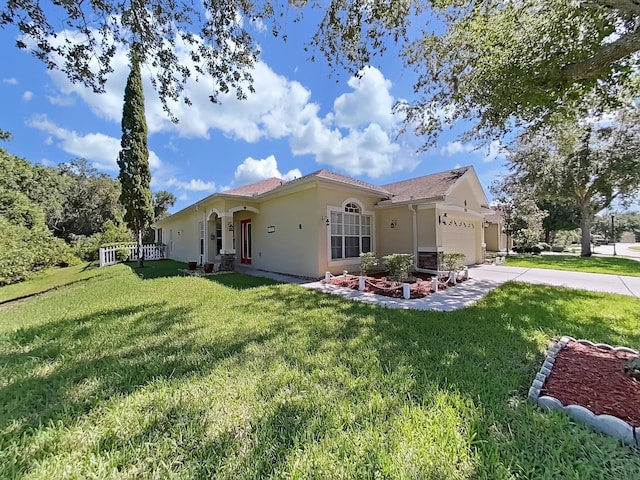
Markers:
(245, 241)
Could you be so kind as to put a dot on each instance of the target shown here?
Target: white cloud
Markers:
(489, 153)
(369, 151)
(10, 81)
(27, 95)
(47, 163)
(493, 151)
(370, 102)
(259, 24)
(357, 137)
(48, 140)
(61, 101)
(98, 148)
(252, 170)
(194, 185)
(454, 148)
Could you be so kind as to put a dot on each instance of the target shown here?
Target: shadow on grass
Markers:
(170, 268)
(486, 355)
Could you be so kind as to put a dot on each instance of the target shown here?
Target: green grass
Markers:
(48, 280)
(134, 374)
(610, 265)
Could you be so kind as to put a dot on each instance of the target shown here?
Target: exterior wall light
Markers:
(231, 227)
(393, 224)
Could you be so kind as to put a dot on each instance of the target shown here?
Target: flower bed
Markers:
(421, 284)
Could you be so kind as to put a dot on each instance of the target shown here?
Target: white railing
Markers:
(150, 252)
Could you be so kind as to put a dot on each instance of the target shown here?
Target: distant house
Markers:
(323, 221)
(494, 231)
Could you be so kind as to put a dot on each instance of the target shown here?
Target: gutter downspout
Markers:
(415, 234)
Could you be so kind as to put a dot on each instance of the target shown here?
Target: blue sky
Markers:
(303, 117)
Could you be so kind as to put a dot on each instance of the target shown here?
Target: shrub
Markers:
(88, 248)
(453, 262)
(534, 249)
(368, 260)
(122, 254)
(24, 251)
(545, 247)
(399, 265)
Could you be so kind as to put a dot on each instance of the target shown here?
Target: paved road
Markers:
(622, 249)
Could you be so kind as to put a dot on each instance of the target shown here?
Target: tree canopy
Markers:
(587, 165)
(495, 64)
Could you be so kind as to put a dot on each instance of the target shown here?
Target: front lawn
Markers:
(230, 376)
(48, 280)
(611, 265)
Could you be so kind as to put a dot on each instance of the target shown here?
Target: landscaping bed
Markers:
(594, 378)
(421, 284)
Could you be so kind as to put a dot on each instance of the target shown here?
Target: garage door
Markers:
(459, 236)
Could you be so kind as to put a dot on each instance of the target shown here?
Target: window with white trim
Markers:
(350, 233)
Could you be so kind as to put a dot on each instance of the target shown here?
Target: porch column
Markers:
(228, 252)
(205, 247)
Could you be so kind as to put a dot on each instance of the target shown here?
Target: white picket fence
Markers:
(150, 252)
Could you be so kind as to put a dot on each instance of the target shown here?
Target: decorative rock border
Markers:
(606, 424)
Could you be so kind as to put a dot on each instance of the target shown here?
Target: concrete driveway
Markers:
(595, 282)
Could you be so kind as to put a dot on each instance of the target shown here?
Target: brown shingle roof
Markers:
(336, 177)
(429, 186)
(256, 188)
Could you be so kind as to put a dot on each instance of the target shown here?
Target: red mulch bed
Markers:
(592, 377)
(377, 283)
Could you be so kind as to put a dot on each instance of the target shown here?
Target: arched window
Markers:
(350, 232)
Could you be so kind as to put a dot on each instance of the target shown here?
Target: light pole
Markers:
(613, 236)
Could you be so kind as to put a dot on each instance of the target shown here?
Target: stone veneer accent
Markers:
(228, 262)
(607, 424)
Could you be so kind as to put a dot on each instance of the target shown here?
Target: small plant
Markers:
(122, 254)
(368, 260)
(399, 265)
(453, 262)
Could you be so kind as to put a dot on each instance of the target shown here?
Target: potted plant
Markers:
(208, 267)
(192, 265)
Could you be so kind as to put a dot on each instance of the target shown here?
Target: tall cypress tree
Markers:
(135, 175)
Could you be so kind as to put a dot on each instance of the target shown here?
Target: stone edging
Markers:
(607, 424)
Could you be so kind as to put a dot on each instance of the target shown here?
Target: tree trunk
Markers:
(140, 253)
(585, 227)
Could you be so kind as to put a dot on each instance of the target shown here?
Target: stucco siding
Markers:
(466, 191)
(182, 237)
(285, 234)
(427, 221)
(398, 239)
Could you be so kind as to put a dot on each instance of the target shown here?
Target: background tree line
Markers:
(59, 215)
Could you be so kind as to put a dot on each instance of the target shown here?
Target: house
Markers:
(495, 232)
(322, 222)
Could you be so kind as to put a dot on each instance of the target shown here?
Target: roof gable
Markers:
(428, 186)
